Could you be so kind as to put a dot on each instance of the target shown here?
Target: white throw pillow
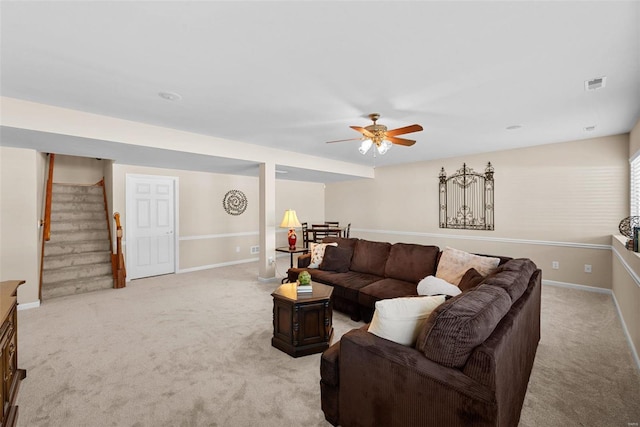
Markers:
(432, 285)
(317, 253)
(454, 263)
(400, 319)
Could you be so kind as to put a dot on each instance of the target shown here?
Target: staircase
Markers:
(77, 259)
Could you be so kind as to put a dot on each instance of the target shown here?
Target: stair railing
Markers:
(106, 215)
(47, 203)
(46, 221)
(117, 259)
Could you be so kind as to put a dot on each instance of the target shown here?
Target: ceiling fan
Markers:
(379, 136)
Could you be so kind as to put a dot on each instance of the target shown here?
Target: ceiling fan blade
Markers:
(400, 141)
(342, 140)
(406, 129)
(362, 130)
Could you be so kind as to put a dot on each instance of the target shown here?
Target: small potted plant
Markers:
(304, 282)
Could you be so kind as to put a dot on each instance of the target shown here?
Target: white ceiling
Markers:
(293, 75)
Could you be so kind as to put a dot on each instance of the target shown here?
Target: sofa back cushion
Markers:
(513, 277)
(459, 325)
(410, 262)
(370, 257)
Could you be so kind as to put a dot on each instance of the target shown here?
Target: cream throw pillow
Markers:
(454, 263)
(431, 285)
(400, 319)
(317, 253)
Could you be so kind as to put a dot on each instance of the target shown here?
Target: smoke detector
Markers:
(595, 84)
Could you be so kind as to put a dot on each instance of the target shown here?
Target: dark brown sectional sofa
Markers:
(472, 360)
(377, 270)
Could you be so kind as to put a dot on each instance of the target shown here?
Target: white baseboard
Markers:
(221, 264)
(576, 286)
(28, 305)
(634, 352)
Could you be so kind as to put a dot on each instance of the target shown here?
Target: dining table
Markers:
(316, 233)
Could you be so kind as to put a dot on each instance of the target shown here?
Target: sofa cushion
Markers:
(385, 289)
(336, 258)
(459, 325)
(432, 285)
(345, 285)
(317, 253)
(471, 279)
(454, 263)
(400, 319)
(513, 277)
(370, 257)
(411, 262)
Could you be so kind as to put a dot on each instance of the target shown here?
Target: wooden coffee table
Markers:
(302, 323)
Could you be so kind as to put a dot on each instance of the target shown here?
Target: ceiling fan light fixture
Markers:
(383, 147)
(365, 146)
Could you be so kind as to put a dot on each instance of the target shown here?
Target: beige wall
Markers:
(208, 236)
(556, 202)
(19, 219)
(77, 170)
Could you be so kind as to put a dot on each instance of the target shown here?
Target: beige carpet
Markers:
(194, 350)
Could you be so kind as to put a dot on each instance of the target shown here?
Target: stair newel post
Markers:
(120, 272)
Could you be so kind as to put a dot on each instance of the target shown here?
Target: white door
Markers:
(150, 228)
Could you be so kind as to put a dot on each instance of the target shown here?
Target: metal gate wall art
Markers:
(466, 199)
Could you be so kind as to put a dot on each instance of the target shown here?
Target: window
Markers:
(635, 185)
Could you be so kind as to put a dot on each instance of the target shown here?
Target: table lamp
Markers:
(290, 221)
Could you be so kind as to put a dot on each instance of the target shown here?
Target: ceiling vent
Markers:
(595, 84)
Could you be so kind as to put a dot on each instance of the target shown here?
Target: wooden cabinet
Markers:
(10, 375)
(302, 324)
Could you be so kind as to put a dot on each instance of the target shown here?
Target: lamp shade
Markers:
(290, 219)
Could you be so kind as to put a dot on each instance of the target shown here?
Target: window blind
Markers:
(635, 186)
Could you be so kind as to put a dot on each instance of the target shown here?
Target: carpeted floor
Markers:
(195, 350)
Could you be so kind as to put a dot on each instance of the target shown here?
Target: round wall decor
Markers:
(234, 202)
(627, 225)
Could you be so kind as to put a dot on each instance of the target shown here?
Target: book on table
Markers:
(304, 289)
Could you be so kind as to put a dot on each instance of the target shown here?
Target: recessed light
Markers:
(513, 127)
(170, 96)
(590, 128)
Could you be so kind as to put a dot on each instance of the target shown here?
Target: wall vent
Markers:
(595, 84)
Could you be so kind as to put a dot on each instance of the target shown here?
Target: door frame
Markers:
(129, 180)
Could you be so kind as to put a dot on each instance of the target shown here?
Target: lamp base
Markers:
(292, 239)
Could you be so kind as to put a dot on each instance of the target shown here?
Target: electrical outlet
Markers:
(555, 265)
(255, 249)
(237, 249)
(587, 268)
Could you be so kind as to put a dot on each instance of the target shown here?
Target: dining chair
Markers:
(333, 223)
(305, 234)
(347, 230)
